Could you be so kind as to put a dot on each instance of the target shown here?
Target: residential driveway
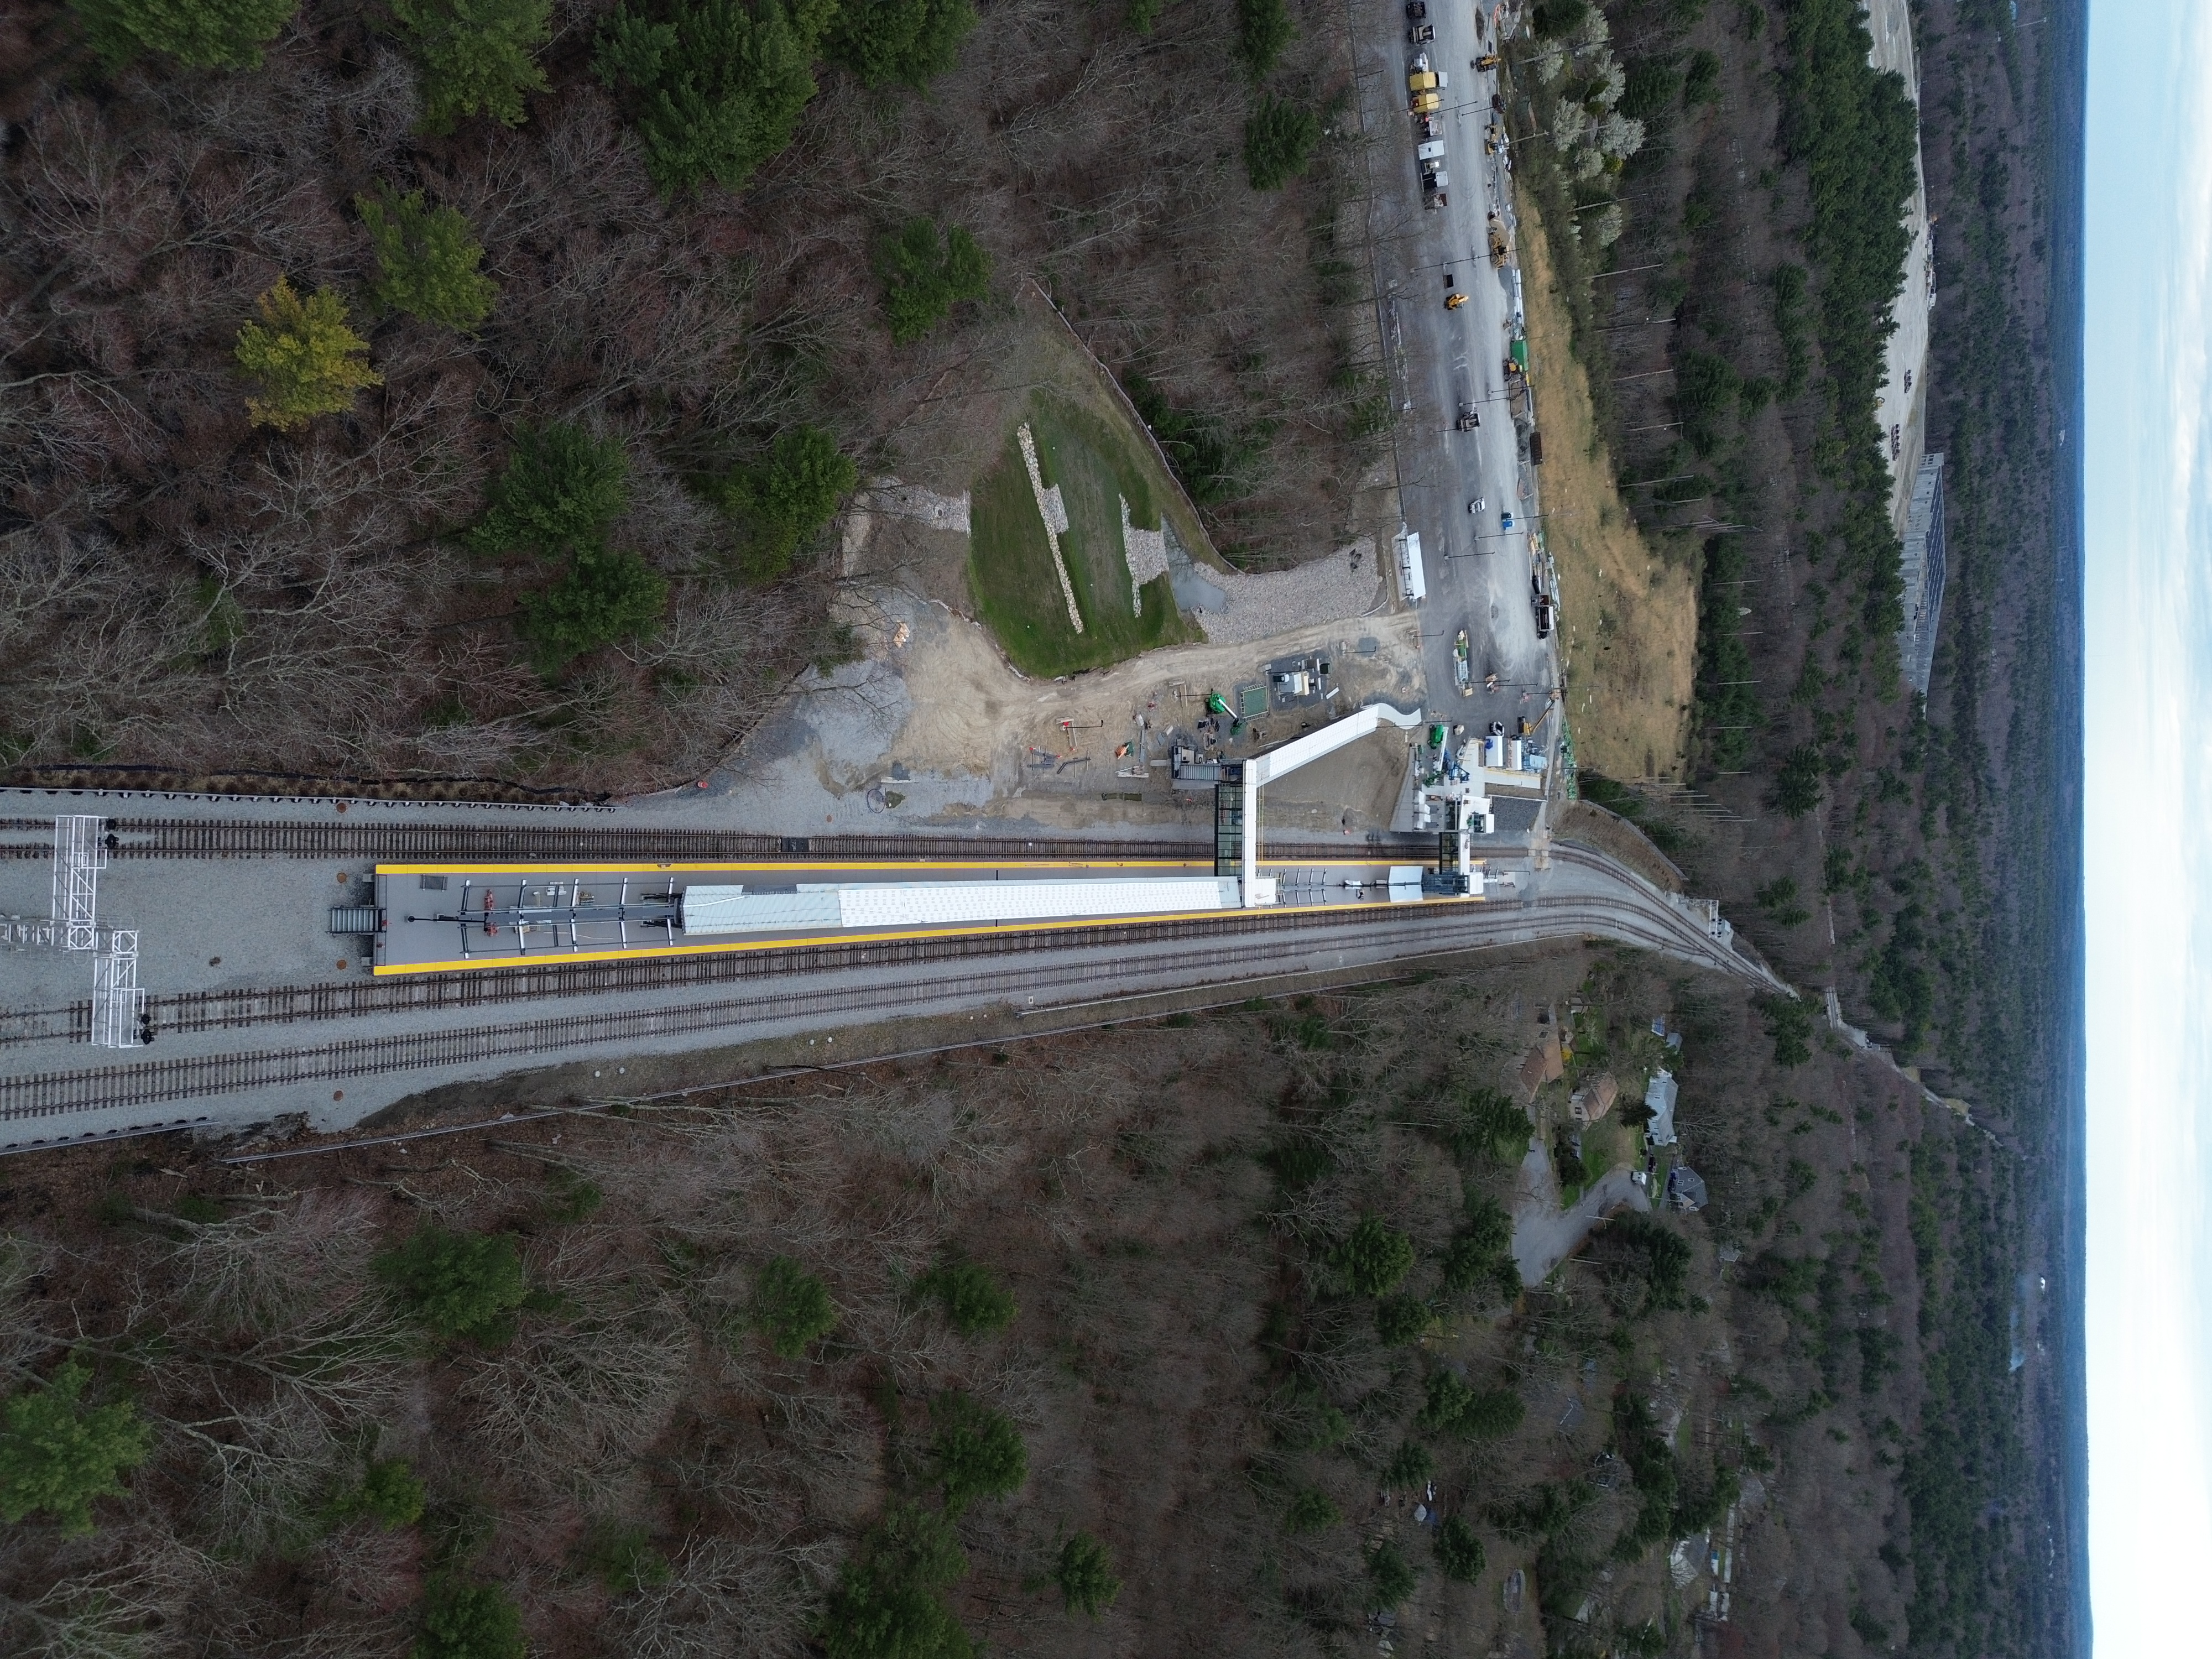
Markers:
(1544, 1234)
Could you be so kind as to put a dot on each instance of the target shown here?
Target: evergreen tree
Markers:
(1085, 1573)
(456, 1284)
(713, 87)
(57, 1455)
(461, 1621)
(908, 40)
(478, 56)
(926, 272)
(562, 488)
(1264, 30)
(1278, 142)
(1400, 1319)
(791, 1307)
(1459, 1552)
(788, 498)
(306, 359)
(977, 1452)
(1374, 1256)
(1390, 1573)
(604, 595)
(389, 1492)
(428, 262)
(974, 1303)
(204, 34)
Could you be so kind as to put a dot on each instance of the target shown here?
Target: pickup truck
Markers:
(1421, 35)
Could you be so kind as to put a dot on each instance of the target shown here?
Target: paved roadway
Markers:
(1478, 575)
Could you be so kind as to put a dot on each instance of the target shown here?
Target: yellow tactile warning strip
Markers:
(474, 964)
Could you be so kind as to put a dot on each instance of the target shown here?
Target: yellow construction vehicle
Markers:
(1421, 81)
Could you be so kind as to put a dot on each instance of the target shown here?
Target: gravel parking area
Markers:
(1235, 608)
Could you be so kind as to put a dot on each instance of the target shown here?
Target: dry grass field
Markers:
(1629, 615)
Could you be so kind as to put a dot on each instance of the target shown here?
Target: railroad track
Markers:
(219, 838)
(286, 1005)
(1260, 954)
(195, 1011)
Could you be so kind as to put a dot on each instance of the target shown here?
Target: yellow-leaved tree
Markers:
(307, 361)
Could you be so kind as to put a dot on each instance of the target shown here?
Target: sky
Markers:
(2147, 460)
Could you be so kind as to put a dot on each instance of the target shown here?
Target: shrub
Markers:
(1264, 29)
(57, 1455)
(714, 88)
(908, 40)
(204, 34)
(1373, 1257)
(605, 594)
(1390, 1573)
(305, 359)
(788, 498)
(1084, 1574)
(456, 1284)
(461, 1621)
(926, 269)
(427, 261)
(1459, 1552)
(977, 1452)
(1311, 1510)
(562, 488)
(1278, 142)
(791, 1307)
(1144, 14)
(1400, 1319)
(973, 1302)
(477, 57)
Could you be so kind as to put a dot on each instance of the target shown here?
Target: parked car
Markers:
(1416, 10)
(1505, 519)
(1547, 616)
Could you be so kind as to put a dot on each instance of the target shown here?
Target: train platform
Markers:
(447, 917)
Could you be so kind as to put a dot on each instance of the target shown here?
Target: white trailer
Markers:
(1413, 579)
